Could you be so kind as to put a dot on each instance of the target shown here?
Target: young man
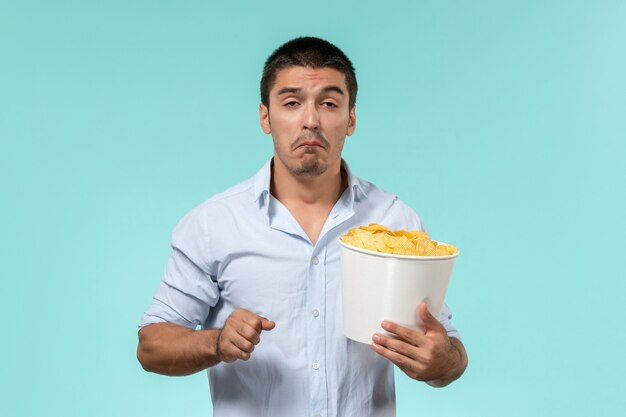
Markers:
(261, 261)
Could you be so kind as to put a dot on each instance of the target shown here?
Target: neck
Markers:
(323, 189)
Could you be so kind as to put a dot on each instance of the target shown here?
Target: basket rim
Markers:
(396, 256)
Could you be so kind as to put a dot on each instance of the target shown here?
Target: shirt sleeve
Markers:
(408, 218)
(445, 318)
(413, 222)
(187, 290)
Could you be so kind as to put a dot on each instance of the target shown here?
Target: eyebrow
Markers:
(296, 90)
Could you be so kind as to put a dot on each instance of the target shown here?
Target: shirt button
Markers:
(316, 313)
(316, 366)
(315, 261)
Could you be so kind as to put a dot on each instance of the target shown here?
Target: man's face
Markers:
(309, 118)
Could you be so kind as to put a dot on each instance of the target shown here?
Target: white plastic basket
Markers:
(381, 286)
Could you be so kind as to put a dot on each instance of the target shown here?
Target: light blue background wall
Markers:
(502, 123)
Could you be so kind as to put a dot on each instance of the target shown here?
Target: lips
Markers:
(310, 143)
(310, 140)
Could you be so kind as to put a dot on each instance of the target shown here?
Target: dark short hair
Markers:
(307, 52)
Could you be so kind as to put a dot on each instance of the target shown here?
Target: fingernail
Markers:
(376, 338)
(385, 324)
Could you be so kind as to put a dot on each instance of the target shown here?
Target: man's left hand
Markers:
(429, 356)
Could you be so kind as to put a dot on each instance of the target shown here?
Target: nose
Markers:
(311, 118)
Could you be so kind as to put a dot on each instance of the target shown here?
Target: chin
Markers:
(310, 167)
(311, 170)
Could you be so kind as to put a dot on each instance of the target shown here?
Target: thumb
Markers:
(430, 322)
(267, 324)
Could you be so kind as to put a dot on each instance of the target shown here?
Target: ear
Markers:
(351, 121)
(264, 114)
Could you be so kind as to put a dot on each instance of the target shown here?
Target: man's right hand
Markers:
(241, 332)
(171, 349)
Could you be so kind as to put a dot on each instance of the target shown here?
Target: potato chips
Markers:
(378, 238)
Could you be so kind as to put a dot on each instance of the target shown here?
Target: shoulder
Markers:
(230, 203)
(398, 214)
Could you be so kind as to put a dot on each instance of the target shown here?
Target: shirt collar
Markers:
(263, 177)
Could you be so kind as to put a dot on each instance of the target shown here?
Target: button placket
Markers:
(316, 351)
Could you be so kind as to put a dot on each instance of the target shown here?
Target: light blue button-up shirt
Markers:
(243, 248)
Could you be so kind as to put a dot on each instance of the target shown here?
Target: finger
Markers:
(241, 318)
(243, 315)
(259, 323)
(233, 347)
(267, 324)
(396, 345)
(412, 336)
(396, 358)
(230, 347)
(242, 343)
(248, 332)
(430, 322)
(254, 321)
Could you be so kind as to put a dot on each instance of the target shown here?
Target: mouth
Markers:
(310, 143)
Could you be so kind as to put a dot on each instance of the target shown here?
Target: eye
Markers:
(329, 104)
(291, 104)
